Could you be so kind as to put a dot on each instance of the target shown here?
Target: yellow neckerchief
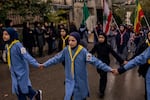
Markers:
(73, 57)
(147, 42)
(64, 41)
(148, 45)
(8, 51)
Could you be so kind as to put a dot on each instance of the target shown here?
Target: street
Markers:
(128, 86)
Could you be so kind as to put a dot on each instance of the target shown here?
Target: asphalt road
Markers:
(128, 86)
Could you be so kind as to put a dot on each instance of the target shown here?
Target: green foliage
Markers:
(119, 15)
(117, 18)
(120, 11)
(145, 6)
(133, 16)
(24, 8)
(28, 9)
(57, 16)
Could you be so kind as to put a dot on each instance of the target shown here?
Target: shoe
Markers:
(101, 95)
(38, 95)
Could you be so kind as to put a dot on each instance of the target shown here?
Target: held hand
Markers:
(125, 62)
(115, 71)
(41, 66)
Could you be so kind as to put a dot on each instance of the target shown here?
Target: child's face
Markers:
(121, 28)
(72, 42)
(101, 38)
(6, 36)
(62, 32)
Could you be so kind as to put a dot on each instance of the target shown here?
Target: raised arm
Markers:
(54, 60)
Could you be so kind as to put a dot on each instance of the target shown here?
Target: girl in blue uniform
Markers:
(141, 59)
(76, 57)
(18, 59)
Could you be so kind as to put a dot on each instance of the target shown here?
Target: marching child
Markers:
(18, 59)
(63, 41)
(76, 57)
(103, 50)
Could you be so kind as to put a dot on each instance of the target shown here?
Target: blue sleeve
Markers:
(97, 63)
(56, 59)
(138, 60)
(27, 56)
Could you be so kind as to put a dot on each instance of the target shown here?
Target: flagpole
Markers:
(83, 14)
(115, 23)
(96, 32)
(147, 22)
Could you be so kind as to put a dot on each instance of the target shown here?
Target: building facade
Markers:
(76, 13)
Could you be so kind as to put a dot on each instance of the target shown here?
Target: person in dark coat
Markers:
(73, 27)
(8, 23)
(103, 50)
(84, 35)
(122, 39)
(53, 36)
(28, 37)
(47, 35)
(39, 33)
(63, 39)
(2, 44)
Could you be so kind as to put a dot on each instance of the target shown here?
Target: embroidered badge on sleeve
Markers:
(23, 50)
(89, 57)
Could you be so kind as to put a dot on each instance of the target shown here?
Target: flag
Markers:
(107, 17)
(86, 14)
(139, 15)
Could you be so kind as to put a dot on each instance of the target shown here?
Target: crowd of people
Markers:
(41, 36)
(71, 44)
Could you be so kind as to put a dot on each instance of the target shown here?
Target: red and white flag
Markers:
(107, 17)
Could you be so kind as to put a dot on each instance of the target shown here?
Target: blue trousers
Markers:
(30, 94)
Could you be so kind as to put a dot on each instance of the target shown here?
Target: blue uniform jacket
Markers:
(139, 60)
(79, 83)
(20, 68)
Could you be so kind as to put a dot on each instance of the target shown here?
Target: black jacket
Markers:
(142, 68)
(103, 51)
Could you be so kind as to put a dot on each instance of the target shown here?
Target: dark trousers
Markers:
(102, 80)
(30, 94)
(40, 51)
(49, 41)
(29, 49)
